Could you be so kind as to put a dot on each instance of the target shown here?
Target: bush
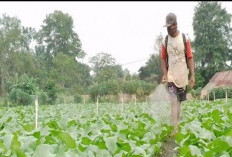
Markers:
(43, 98)
(77, 98)
(60, 100)
(20, 97)
(140, 93)
(148, 87)
(5, 101)
(51, 92)
(195, 92)
(138, 87)
(113, 87)
(130, 87)
(93, 91)
(108, 99)
(200, 81)
(110, 87)
(220, 93)
(22, 89)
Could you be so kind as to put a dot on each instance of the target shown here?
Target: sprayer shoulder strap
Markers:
(184, 41)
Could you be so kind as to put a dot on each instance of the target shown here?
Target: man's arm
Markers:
(190, 63)
(164, 64)
(164, 69)
(192, 73)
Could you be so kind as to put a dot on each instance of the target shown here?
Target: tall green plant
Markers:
(51, 92)
(151, 72)
(211, 24)
(22, 89)
(14, 39)
(110, 87)
(59, 37)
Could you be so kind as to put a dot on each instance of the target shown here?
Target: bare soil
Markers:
(168, 148)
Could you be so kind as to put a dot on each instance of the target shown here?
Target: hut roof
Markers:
(220, 79)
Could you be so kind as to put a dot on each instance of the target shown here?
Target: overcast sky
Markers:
(126, 30)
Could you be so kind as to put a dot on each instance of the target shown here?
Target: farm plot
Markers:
(69, 130)
(76, 130)
(206, 129)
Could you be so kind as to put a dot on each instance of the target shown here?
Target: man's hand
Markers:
(192, 81)
(164, 78)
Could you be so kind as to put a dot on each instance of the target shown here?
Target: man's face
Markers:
(172, 29)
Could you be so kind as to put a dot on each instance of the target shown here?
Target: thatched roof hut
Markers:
(220, 79)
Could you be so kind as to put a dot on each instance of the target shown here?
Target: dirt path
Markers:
(167, 148)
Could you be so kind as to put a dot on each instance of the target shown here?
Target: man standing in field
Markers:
(176, 59)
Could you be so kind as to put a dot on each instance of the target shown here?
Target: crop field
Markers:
(70, 130)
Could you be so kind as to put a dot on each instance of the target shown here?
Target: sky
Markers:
(125, 30)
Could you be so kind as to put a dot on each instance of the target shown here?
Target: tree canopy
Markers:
(211, 25)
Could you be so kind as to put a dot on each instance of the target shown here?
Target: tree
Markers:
(152, 70)
(69, 74)
(63, 70)
(126, 75)
(101, 60)
(105, 68)
(14, 39)
(211, 24)
(57, 36)
(22, 63)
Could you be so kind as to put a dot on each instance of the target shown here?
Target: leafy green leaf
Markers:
(67, 139)
(50, 140)
(216, 116)
(44, 150)
(219, 145)
(99, 141)
(86, 140)
(111, 144)
(195, 150)
(81, 148)
(28, 127)
(123, 145)
(3, 147)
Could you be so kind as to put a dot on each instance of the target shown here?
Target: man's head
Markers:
(171, 24)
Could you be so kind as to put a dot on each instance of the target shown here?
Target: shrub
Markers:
(108, 99)
(220, 93)
(22, 89)
(20, 97)
(110, 87)
(195, 92)
(130, 87)
(43, 98)
(138, 87)
(148, 87)
(51, 91)
(93, 91)
(77, 98)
